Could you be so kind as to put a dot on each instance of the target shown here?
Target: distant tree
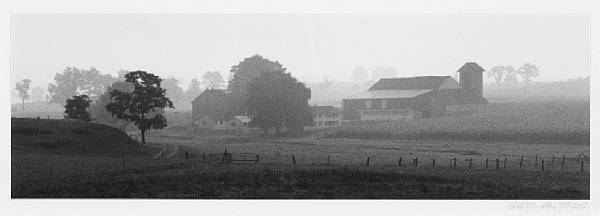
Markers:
(510, 75)
(74, 81)
(37, 93)
(326, 83)
(193, 90)
(23, 89)
(76, 107)
(144, 105)
(213, 79)
(527, 71)
(174, 91)
(497, 72)
(383, 72)
(277, 99)
(360, 74)
(98, 108)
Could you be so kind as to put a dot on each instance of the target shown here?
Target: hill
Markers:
(71, 137)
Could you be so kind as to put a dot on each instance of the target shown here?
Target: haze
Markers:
(311, 46)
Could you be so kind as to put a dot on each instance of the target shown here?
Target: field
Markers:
(317, 164)
(542, 131)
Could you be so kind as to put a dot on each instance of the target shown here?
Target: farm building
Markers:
(396, 99)
(326, 117)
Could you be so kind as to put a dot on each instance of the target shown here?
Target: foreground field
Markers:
(549, 160)
(200, 179)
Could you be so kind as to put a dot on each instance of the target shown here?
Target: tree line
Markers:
(273, 97)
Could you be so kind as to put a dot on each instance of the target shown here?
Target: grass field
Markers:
(328, 165)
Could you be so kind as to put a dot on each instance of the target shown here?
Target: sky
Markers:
(310, 46)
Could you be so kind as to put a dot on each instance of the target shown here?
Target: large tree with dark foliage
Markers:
(277, 99)
(144, 105)
(98, 108)
(76, 107)
(527, 71)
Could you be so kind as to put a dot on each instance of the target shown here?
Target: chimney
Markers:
(471, 78)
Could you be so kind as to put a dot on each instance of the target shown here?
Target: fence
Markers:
(56, 165)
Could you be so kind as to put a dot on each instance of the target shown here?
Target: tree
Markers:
(174, 91)
(98, 108)
(37, 93)
(74, 81)
(383, 72)
(248, 69)
(326, 83)
(497, 72)
(277, 99)
(213, 79)
(527, 71)
(76, 107)
(242, 74)
(23, 89)
(510, 75)
(193, 90)
(144, 105)
(360, 74)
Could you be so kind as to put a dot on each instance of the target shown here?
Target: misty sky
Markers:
(308, 45)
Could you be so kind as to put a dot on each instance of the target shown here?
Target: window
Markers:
(383, 104)
(368, 104)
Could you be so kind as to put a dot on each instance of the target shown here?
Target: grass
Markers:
(39, 170)
(197, 179)
(557, 122)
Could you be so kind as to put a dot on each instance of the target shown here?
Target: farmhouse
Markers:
(396, 99)
(326, 117)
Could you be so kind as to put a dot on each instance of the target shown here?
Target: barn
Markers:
(397, 99)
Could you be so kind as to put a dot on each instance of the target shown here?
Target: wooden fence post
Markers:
(123, 159)
(400, 162)
(542, 164)
(521, 163)
(327, 159)
(433, 164)
(293, 160)
(368, 161)
(470, 163)
(162, 154)
(535, 161)
(504, 165)
(416, 162)
(203, 156)
(187, 155)
(497, 163)
(552, 162)
(562, 165)
(454, 164)
(581, 166)
(256, 158)
(486, 163)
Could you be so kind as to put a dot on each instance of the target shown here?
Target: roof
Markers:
(211, 92)
(410, 83)
(388, 94)
(244, 119)
(325, 109)
(471, 66)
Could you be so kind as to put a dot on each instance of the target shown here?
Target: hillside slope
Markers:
(71, 137)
